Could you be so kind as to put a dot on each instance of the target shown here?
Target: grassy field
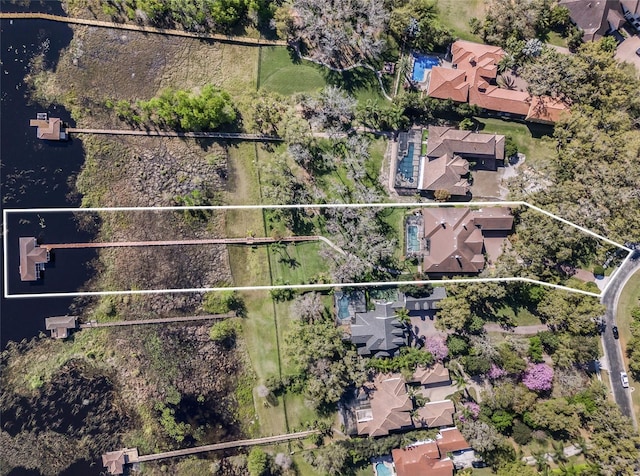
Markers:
(530, 138)
(279, 73)
(456, 15)
(521, 315)
(297, 263)
(629, 298)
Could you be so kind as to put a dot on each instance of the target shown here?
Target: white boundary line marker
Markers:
(6, 213)
(302, 287)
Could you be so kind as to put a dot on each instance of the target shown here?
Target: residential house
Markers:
(454, 238)
(599, 18)
(384, 405)
(472, 79)
(435, 415)
(32, 259)
(421, 460)
(387, 407)
(429, 458)
(435, 375)
(450, 439)
(379, 332)
(444, 164)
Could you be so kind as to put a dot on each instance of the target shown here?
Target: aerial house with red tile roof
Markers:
(472, 79)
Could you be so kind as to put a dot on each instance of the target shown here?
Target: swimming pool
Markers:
(421, 64)
(413, 245)
(383, 470)
(405, 166)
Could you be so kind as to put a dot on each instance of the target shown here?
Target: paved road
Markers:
(612, 348)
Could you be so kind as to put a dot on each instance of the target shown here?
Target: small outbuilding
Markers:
(48, 128)
(59, 326)
(32, 259)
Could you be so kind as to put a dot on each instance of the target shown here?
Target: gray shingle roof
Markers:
(378, 332)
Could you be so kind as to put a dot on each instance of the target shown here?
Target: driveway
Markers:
(627, 51)
(612, 348)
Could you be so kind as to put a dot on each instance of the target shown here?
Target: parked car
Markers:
(624, 379)
(479, 464)
(616, 334)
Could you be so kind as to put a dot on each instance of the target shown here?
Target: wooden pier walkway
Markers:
(230, 444)
(196, 135)
(160, 320)
(239, 40)
(212, 241)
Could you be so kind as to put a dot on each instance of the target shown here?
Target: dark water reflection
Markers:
(36, 174)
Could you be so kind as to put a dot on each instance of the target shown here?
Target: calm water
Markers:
(36, 174)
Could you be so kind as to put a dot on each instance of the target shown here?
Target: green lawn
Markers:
(521, 315)
(456, 14)
(529, 138)
(556, 39)
(280, 74)
(629, 298)
(297, 263)
(394, 217)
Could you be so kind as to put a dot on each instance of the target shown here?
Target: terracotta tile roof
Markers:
(447, 83)
(32, 259)
(498, 99)
(421, 460)
(47, 129)
(475, 67)
(450, 439)
(114, 462)
(435, 414)
(390, 407)
(455, 242)
(545, 109)
(437, 373)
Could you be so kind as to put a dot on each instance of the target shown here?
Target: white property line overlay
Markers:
(6, 212)
(306, 287)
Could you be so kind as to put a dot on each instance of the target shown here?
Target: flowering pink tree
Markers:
(538, 377)
(437, 346)
(470, 411)
(496, 372)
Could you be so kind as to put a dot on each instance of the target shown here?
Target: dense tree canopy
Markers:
(338, 33)
(202, 15)
(190, 111)
(594, 180)
(416, 23)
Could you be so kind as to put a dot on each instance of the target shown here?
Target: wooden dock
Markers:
(230, 444)
(211, 241)
(160, 320)
(239, 40)
(196, 135)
